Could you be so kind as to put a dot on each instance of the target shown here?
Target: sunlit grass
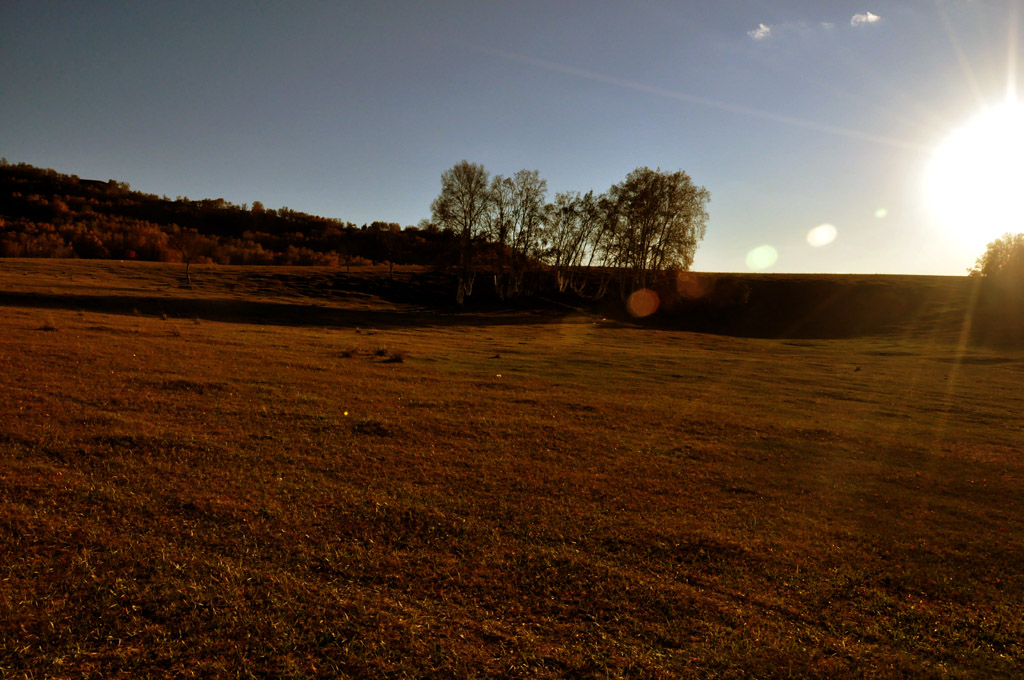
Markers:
(531, 496)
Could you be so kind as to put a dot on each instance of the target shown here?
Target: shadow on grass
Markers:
(804, 307)
(275, 313)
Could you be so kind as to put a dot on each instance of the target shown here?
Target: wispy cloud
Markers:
(864, 19)
(789, 30)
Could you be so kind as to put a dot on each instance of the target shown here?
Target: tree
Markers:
(500, 208)
(499, 227)
(528, 215)
(1003, 258)
(999, 305)
(193, 247)
(387, 242)
(515, 219)
(462, 207)
(575, 231)
(658, 218)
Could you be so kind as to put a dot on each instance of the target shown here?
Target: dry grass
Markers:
(239, 499)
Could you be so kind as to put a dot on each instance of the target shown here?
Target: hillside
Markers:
(44, 213)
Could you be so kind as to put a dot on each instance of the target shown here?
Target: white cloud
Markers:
(761, 32)
(865, 18)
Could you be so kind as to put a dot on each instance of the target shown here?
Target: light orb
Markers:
(822, 235)
(762, 257)
(643, 302)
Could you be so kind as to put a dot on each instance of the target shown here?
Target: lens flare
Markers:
(881, 213)
(691, 286)
(643, 302)
(822, 235)
(762, 257)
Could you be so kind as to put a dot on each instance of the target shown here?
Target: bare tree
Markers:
(462, 207)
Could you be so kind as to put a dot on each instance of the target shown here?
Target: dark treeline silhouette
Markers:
(642, 228)
(44, 213)
(639, 234)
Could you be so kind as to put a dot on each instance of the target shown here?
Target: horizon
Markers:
(814, 128)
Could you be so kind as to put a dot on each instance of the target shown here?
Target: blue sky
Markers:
(793, 113)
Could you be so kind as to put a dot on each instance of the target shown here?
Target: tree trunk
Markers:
(464, 287)
(499, 286)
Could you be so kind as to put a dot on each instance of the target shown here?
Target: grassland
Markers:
(275, 475)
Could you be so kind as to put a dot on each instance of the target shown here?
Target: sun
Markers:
(974, 181)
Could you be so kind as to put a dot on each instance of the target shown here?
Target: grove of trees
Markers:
(646, 225)
(504, 228)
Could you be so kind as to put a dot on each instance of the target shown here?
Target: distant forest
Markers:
(642, 230)
(44, 213)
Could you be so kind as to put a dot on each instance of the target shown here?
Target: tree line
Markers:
(646, 225)
(505, 228)
(44, 213)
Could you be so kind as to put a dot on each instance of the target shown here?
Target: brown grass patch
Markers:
(619, 503)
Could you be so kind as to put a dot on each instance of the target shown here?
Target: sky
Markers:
(814, 125)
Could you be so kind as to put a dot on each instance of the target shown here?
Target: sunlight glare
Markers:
(974, 179)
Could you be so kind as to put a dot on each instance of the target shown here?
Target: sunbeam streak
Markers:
(1011, 54)
(707, 101)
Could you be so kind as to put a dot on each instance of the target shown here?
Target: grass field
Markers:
(274, 475)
